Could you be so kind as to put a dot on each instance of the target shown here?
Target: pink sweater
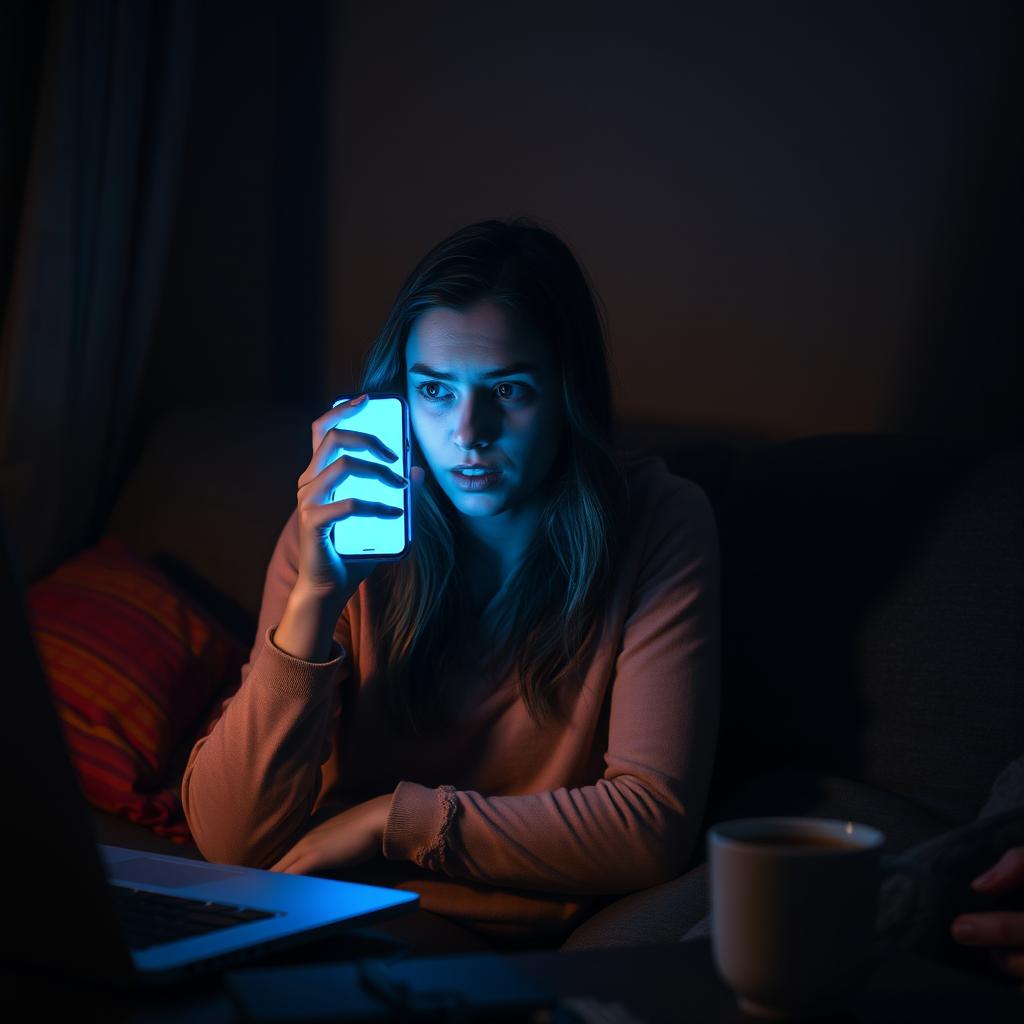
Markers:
(503, 824)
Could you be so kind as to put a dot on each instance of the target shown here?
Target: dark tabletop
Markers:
(650, 984)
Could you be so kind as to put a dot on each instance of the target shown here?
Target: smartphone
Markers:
(384, 539)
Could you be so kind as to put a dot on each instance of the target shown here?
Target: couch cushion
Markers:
(873, 592)
(135, 668)
(661, 914)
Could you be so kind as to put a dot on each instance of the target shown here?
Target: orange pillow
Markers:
(133, 665)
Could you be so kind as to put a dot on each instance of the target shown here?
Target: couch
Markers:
(873, 591)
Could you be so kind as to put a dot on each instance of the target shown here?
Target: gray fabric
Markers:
(701, 930)
(1007, 791)
(660, 914)
(932, 883)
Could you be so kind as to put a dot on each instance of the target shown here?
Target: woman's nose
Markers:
(477, 423)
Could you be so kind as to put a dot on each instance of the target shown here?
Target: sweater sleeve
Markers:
(637, 825)
(251, 782)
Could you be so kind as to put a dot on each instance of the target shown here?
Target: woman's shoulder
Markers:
(655, 493)
(669, 519)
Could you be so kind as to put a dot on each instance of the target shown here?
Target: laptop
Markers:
(120, 916)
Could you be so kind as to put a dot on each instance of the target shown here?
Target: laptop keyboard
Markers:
(151, 918)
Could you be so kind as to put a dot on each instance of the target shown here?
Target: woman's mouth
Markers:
(476, 478)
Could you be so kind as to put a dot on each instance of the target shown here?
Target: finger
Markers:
(998, 928)
(417, 477)
(1009, 962)
(318, 516)
(334, 415)
(301, 866)
(287, 864)
(349, 440)
(1006, 873)
(347, 465)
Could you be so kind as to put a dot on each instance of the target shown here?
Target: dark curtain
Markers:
(86, 266)
(22, 37)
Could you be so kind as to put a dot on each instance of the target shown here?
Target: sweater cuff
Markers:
(418, 824)
(295, 676)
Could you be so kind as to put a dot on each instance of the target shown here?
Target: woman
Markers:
(521, 714)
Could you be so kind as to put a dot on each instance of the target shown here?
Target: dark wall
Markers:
(763, 193)
(242, 310)
(802, 217)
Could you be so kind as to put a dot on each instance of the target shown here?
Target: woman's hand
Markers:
(322, 573)
(349, 838)
(1002, 931)
(325, 582)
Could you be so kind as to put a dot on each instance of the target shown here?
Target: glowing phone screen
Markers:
(384, 417)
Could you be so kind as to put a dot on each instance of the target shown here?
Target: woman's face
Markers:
(485, 406)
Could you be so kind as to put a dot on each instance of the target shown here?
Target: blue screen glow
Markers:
(369, 536)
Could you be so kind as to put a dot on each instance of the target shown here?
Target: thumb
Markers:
(417, 475)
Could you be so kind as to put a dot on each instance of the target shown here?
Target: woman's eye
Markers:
(432, 391)
(510, 391)
(505, 391)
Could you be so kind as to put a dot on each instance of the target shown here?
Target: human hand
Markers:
(322, 573)
(1001, 931)
(349, 838)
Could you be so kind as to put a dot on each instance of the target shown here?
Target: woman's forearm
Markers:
(307, 627)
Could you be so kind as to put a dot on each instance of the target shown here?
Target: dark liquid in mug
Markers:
(803, 842)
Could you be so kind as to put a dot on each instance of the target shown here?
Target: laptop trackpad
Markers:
(165, 873)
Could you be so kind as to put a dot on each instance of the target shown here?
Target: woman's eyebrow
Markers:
(423, 370)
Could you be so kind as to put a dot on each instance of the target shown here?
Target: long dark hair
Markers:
(552, 610)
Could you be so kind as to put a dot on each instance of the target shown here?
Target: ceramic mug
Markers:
(793, 911)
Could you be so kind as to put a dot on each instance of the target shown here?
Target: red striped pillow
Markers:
(133, 665)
